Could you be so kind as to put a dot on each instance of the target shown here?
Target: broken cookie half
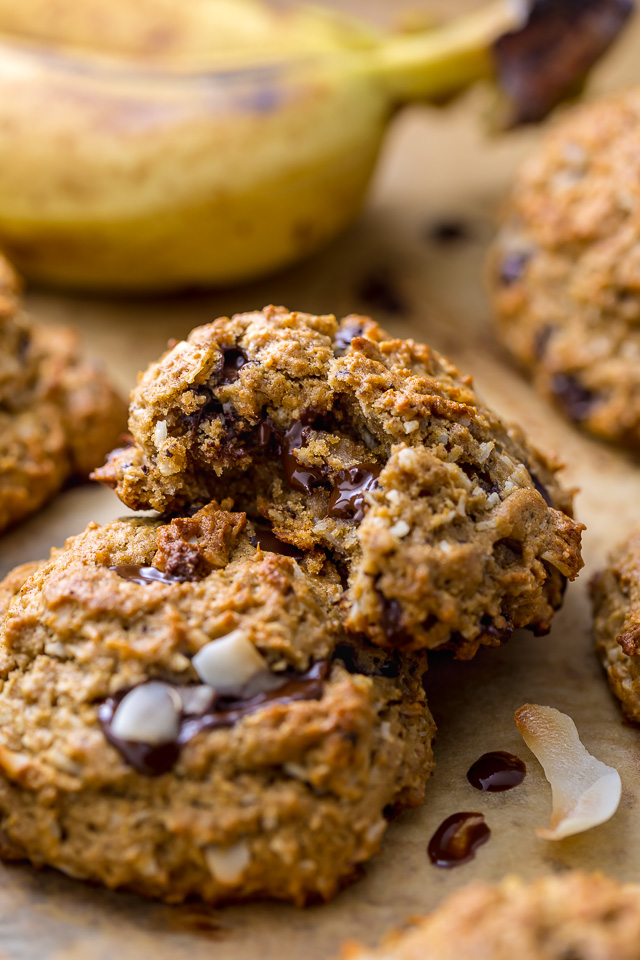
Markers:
(447, 526)
(183, 715)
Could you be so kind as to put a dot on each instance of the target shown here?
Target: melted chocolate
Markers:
(153, 760)
(267, 540)
(347, 497)
(234, 360)
(138, 573)
(576, 399)
(457, 838)
(298, 476)
(496, 771)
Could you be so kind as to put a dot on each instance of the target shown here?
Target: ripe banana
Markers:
(156, 145)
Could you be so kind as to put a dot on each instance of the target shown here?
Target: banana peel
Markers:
(218, 145)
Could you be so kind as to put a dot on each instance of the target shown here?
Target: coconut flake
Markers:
(149, 713)
(230, 663)
(585, 792)
(228, 864)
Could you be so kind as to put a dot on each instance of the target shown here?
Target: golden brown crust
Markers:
(573, 916)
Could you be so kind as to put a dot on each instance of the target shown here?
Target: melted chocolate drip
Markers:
(457, 838)
(267, 540)
(234, 360)
(298, 476)
(138, 573)
(153, 760)
(496, 771)
(347, 497)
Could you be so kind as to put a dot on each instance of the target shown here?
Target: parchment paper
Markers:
(435, 166)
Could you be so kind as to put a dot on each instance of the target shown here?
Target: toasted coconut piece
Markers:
(585, 792)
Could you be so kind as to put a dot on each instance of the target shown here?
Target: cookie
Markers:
(448, 526)
(58, 413)
(181, 714)
(564, 269)
(572, 915)
(615, 596)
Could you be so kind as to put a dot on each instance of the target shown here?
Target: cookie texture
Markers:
(565, 268)
(449, 527)
(58, 413)
(181, 714)
(615, 596)
(573, 916)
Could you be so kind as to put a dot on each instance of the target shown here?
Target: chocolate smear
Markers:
(152, 760)
(234, 360)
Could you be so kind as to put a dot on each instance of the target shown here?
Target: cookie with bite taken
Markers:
(182, 715)
(448, 527)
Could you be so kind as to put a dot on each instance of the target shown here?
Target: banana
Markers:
(155, 146)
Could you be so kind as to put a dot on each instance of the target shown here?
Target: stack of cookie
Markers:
(225, 699)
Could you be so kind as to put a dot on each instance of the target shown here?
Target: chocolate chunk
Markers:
(138, 573)
(376, 664)
(481, 477)
(391, 621)
(549, 57)
(154, 759)
(577, 400)
(350, 485)
(379, 292)
(448, 232)
(234, 360)
(266, 539)
(513, 266)
(344, 336)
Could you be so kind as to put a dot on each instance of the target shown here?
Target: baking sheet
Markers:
(435, 166)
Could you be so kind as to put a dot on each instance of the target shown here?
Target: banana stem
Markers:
(440, 63)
